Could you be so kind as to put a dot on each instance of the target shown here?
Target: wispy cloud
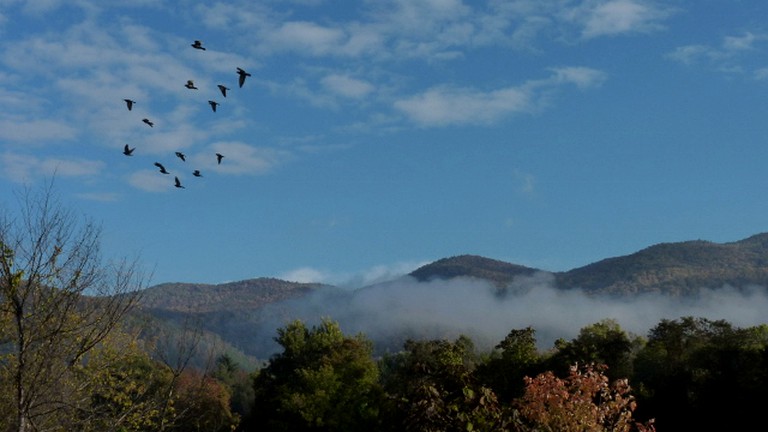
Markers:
(614, 17)
(732, 54)
(441, 106)
(347, 86)
(362, 278)
(241, 158)
(149, 181)
(307, 37)
(23, 168)
(526, 181)
(35, 130)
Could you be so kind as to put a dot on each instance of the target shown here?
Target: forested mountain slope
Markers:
(669, 268)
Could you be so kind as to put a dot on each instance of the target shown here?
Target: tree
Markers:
(585, 401)
(518, 357)
(202, 403)
(698, 373)
(601, 343)
(323, 380)
(239, 383)
(58, 300)
(121, 389)
(433, 388)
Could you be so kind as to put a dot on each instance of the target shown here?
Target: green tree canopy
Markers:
(604, 342)
(323, 380)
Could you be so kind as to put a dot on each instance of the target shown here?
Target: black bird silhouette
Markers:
(178, 183)
(198, 45)
(148, 122)
(242, 74)
(219, 157)
(223, 90)
(129, 103)
(214, 104)
(128, 151)
(196, 173)
(162, 168)
(190, 85)
(181, 156)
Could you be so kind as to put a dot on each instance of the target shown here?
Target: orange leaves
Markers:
(583, 401)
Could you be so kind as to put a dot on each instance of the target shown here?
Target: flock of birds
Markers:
(128, 151)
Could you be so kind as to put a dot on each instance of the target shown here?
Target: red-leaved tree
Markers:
(583, 401)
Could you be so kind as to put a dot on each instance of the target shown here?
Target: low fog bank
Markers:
(391, 312)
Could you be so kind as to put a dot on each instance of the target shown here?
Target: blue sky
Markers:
(376, 136)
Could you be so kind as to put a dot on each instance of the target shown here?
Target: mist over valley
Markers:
(485, 298)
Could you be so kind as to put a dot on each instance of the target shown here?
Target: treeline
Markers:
(686, 374)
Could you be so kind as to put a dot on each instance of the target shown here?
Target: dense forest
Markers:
(685, 374)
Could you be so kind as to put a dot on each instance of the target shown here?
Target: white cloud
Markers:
(150, 181)
(612, 17)
(441, 106)
(26, 168)
(308, 37)
(366, 277)
(241, 158)
(526, 181)
(29, 130)
(690, 54)
(761, 74)
(582, 77)
(306, 275)
(347, 86)
(741, 43)
(730, 55)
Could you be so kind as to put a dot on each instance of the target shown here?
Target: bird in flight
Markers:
(148, 122)
(242, 74)
(162, 168)
(190, 85)
(181, 156)
(128, 151)
(129, 103)
(214, 104)
(198, 45)
(223, 90)
(178, 183)
(219, 157)
(196, 173)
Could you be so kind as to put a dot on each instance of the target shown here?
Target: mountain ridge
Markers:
(676, 268)
(243, 315)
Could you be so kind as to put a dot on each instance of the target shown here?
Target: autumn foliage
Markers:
(584, 401)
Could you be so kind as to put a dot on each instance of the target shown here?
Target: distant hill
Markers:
(678, 269)
(499, 272)
(242, 295)
(226, 314)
